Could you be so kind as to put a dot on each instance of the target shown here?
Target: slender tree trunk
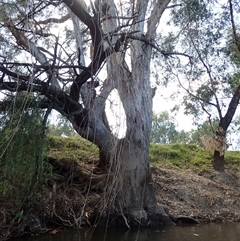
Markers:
(219, 152)
(218, 161)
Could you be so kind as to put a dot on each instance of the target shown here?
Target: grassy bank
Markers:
(183, 181)
(180, 156)
(72, 149)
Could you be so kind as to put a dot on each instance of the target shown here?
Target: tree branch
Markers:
(36, 66)
(155, 17)
(210, 77)
(190, 93)
(236, 38)
(60, 100)
(31, 47)
(173, 6)
(54, 20)
(146, 41)
(232, 107)
(93, 23)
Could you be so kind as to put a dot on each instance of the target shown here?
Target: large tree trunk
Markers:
(130, 187)
(129, 198)
(136, 197)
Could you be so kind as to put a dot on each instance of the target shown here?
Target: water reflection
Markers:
(209, 232)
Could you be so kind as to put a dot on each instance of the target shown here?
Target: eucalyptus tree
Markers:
(60, 127)
(163, 129)
(120, 37)
(204, 134)
(207, 30)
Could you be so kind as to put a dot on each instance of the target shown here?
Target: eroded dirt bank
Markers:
(74, 195)
(207, 196)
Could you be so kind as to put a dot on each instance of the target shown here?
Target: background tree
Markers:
(204, 134)
(163, 129)
(210, 77)
(121, 38)
(61, 127)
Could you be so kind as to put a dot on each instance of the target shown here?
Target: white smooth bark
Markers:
(136, 194)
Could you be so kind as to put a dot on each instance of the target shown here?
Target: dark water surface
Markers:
(208, 232)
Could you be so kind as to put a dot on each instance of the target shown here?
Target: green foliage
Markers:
(232, 49)
(206, 129)
(193, 11)
(205, 93)
(22, 151)
(203, 30)
(234, 81)
(164, 131)
(191, 106)
(163, 128)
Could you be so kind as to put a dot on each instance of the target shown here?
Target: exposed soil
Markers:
(206, 196)
(70, 200)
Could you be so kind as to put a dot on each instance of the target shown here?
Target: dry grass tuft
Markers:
(218, 142)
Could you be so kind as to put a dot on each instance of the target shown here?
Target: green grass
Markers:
(232, 159)
(184, 156)
(180, 156)
(72, 149)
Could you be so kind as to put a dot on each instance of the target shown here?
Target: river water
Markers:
(208, 232)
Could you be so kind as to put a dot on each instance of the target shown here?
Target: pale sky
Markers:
(163, 102)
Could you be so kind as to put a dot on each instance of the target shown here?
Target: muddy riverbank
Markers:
(69, 200)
